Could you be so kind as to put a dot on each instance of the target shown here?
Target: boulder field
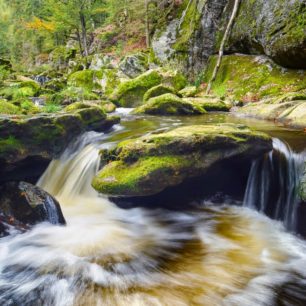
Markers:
(147, 165)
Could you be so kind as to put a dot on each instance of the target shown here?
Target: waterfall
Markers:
(218, 255)
(273, 184)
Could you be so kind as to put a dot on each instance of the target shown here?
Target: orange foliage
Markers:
(39, 24)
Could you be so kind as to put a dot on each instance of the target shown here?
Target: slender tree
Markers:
(223, 42)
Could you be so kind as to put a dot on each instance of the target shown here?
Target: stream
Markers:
(226, 249)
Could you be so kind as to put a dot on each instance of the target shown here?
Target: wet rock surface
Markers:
(147, 165)
(23, 204)
(24, 140)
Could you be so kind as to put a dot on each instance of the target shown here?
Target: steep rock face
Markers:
(265, 27)
(275, 28)
(147, 165)
(189, 39)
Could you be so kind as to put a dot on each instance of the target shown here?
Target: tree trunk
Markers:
(223, 42)
(84, 33)
(148, 42)
(79, 40)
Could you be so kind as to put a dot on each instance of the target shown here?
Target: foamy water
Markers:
(109, 256)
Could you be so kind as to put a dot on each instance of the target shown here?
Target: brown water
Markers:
(212, 255)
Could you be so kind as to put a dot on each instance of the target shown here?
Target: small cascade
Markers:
(41, 79)
(72, 173)
(273, 184)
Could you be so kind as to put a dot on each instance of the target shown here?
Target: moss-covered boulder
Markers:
(209, 104)
(83, 79)
(158, 91)
(147, 165)
(250, 78)
(134, 65)
(289, 109)
(7, 108)
(73, 94)
(274, 28)
(42, 137)
(17, 90)
(60, 56)
(106, 106)
(169, 105)
(130, 93)
(189, 91)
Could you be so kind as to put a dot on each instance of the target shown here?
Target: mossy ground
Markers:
(249, 78)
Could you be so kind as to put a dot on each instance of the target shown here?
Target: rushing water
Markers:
(273, 183)
(211, 255)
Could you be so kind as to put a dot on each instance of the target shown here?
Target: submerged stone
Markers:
(149, 164)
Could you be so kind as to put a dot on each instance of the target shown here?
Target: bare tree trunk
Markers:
(79, 40)
(84, 33)
(224, 40)
(148, 42)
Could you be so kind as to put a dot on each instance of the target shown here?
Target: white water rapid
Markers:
(273, 183)
(227, 256)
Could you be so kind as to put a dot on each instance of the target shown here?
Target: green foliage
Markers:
(8, 108)
(51, 108)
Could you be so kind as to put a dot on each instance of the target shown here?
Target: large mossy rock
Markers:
(158, 91)
(29, 140)
(272, 27)
(169, 105)
(134, 65)
(130, 93)
(147, 165)
(209, 104)
(22, 204)
(250, 78)
(289, 109)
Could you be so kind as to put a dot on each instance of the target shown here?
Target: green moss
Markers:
(209, 104)
(157, 91)
(189, 23)
(72, 94)
(121, 178)
(8, 108)
(9, 145)
(250, 78)
(51, 108)
(28, 107)
(169, 105)
(149, 164)
(189, 91)
(84, 79)
(130, 93)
